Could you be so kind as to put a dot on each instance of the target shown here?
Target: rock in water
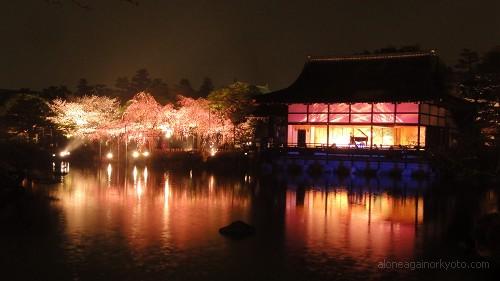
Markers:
(237, 230)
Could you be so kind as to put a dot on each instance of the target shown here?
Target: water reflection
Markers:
(150, 222)
(149, 208)
(364, 226)
(109, 170)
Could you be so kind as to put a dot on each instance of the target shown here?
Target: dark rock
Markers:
(237, 230)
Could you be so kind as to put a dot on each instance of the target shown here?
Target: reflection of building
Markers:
(364, 226)
(371, 101)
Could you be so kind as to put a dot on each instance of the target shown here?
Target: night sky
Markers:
(259, 41)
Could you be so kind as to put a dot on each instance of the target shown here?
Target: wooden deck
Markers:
(329, 153)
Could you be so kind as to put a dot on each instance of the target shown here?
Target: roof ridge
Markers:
(373, 56)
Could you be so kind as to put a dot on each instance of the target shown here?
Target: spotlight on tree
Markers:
(136, 154)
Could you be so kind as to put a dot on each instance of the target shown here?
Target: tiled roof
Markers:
(381, 77)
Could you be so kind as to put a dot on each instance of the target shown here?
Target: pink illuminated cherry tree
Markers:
(143, 120)
(195, 117)
(84, 116)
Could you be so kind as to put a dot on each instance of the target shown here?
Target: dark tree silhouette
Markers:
(122, 83)
(142, 82)
(466, 68)
(490, 62)
(53, 92)
(83, 87)
(480, 84)
(160, 90)
(184, 88)
(206, 87)
(234, 101)
(467, 61)
(22, 113)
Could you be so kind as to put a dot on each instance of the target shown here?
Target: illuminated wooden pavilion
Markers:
(366, 101)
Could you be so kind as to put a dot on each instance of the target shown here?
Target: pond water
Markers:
(112, 223)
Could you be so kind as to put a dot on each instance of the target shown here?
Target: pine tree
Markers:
(206, 87)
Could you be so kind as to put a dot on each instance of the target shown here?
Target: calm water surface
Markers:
(138, 224)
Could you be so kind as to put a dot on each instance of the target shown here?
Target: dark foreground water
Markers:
(139, 224)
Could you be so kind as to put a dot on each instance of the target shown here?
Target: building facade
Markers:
(382, 101)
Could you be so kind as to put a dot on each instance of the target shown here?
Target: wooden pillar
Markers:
(418, 128)
(328, 126)
(349, 114)
(371, 128)
(394, 132)
(418, 136)
(308, 125)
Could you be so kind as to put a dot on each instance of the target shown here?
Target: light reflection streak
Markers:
(109, 170)
(64, 167)
(138, 189)
(174, 211)
(211, 184)
(166, 192)
(374, 226)
(134, 174)
(143, 215)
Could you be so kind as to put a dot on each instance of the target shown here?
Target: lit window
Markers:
(318, 108)
(339, 107)
(360, 118)
(361, 107)
(383, 107)
(339, 118)
(406, 118)
(407, 107)
(297, 118)
(297, 107)
(383, 118)
(318, 117)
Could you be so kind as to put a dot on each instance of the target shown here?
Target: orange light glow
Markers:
(144, 211)
(375, 226)
(342, 135)
(404, 113)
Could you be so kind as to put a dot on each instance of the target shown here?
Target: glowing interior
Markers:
(357, 136)
(362, 124)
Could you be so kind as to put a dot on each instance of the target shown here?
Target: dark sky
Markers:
(259, 41)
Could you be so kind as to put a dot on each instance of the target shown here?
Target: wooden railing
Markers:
(318, 151)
